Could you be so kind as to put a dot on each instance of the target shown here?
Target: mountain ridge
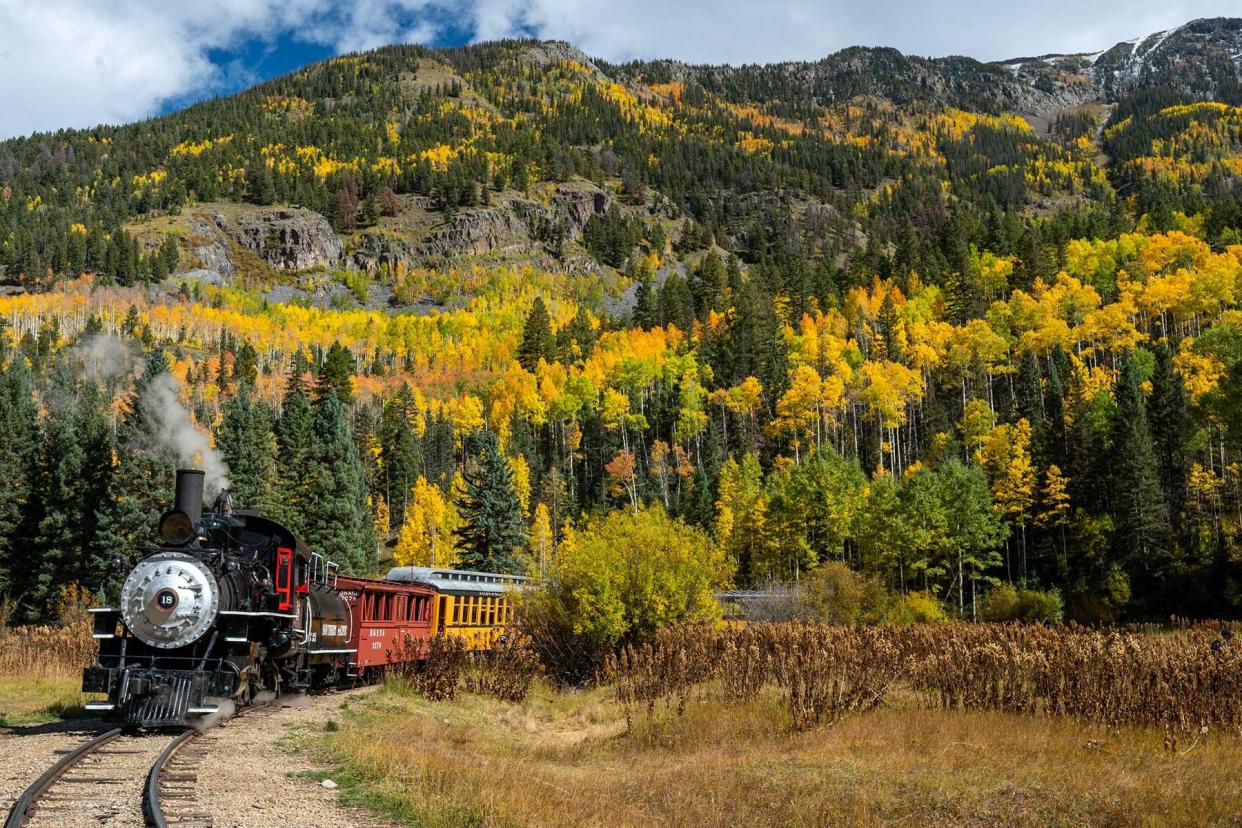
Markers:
(510, 149)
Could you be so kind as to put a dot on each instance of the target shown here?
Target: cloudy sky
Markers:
(77, 63)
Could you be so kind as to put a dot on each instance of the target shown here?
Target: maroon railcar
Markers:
(389, 622)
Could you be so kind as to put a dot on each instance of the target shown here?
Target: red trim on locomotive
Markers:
(284, 577)
(389, 623)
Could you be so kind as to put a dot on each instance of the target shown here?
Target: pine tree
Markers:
(1051, 444)
(260, 186)
(295, 442)
(400, 460)
(246, 365)
(1029, 391)
(1139, 509)
(1170, 429)
(886, 324)
(248, 445)
(576, 341)
(336, 375)
(19, 456)
(337, 517)
(60, 540)
(537, 339)
(493, 529)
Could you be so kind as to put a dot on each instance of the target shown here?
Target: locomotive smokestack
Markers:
(189, 493)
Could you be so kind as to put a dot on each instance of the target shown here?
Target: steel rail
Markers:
(151, 794)
(22, 809)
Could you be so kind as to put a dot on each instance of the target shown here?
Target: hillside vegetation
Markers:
(949, 324)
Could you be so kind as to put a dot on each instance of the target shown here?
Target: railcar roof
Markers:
(461, 581)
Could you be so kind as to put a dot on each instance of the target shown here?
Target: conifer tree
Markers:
(1139, 509)
(493, 528)
(537, 339)
(576, 341)
(337, 522)
(70, 483)
(400, 461)
(1029, 392)
(1170, 429)
(19, 455)
(295, 442)
(248, 445)
(246, 365)
(336, 375)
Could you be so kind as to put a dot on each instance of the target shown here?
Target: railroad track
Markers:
(117, 779)
(168, 798)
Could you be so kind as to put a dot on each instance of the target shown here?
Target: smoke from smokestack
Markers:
(105, 357)
(177, 432)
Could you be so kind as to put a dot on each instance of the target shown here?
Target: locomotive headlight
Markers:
(176, 527)
(169, 600)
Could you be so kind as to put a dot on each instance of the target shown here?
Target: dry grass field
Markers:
(952, 725)
(41, 672)
(568, 759)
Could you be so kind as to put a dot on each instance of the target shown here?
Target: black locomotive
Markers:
(231, 604)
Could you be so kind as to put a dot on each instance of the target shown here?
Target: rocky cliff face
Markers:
(1202, 58)
(283, 238)
(1199, 58)
(287, 238)
(513, 226)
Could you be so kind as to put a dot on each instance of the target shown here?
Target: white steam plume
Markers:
(105, 357)
(177, 431)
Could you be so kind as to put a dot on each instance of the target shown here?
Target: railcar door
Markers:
(442, 614)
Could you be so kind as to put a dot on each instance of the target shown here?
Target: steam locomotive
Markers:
(233, 604)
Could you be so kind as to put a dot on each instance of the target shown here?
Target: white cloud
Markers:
(772, 30)
(76, 63)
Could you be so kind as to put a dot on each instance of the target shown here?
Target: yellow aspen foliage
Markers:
(426, 538)
(521, 480)
(542, 541)
(1006, 455)
(1055, 500)
(742, 528)
(466, 413)
(976, 426)
(381, 519)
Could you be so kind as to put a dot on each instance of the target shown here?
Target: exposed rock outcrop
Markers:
(512, 226)
(288, 238)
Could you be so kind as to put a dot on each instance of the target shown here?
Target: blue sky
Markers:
(78, 63)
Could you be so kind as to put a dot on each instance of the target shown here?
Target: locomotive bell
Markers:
(169, 600)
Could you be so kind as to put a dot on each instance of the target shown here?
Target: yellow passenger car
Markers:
(473, 606)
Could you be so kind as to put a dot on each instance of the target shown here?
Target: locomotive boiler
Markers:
(228, 605)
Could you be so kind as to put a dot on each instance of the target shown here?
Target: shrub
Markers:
(1007, 603)
(620, 579)
(1188, 681)
(437, 675)
(506, 671)
(834, 594)
(916, 608)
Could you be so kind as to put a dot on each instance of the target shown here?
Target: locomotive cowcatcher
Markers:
(232, 604)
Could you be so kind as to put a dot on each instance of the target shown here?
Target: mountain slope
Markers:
(508, 151)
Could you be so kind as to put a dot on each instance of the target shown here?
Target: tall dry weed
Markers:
(1185, 681)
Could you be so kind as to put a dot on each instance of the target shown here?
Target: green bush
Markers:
(833, 593)
(1008, 603)
(358, 284)
(618, 580)
(916, 608)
